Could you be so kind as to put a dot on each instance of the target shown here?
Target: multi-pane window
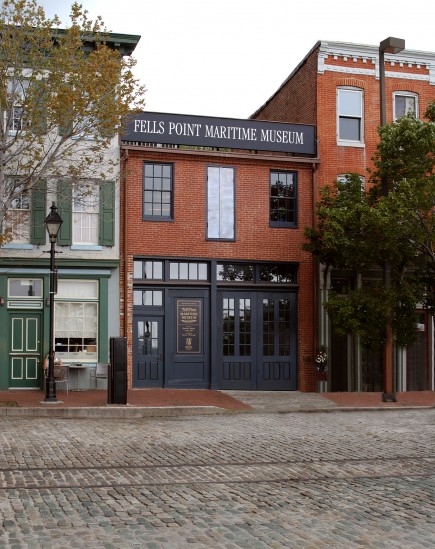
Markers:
(404, 103)
(85, 214)
(350, 115)
(220, 203)
(283, 194)
(76, 320)
(17, 90)
(147, 270)
(150, 298)
(157, 191)
(17, 221)
(182, 270)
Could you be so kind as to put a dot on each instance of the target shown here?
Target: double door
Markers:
(257, 340)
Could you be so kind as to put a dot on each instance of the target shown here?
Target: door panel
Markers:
(417, 357)
(24, 350)
(187, 339)
(148, 339)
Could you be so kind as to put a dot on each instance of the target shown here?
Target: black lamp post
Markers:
(389, 45)
(53, 221)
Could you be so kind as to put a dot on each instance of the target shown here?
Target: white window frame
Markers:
(18, 218)
(221, 203)
(404, 94)
(85, 210)
(68, 294)
(342, 177)
(350, 142)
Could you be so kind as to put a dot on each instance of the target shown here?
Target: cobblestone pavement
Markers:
(314, 481)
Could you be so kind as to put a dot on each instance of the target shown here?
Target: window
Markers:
(149, 270)
(25, 287)
(345, 178)
(88, 213)
(157, 191)
(404, 103)
(188, 271)
(17, 91)
(85, 214)
(235, 272)
(283, 194)
(76, 320)
(150, 298)
(350, 116)
(220, 203)
(18, 219)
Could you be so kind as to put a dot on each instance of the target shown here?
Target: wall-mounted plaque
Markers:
(189, 326)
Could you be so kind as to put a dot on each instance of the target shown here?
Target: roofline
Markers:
(347, 47)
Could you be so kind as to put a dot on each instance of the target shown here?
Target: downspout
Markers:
(125, 246)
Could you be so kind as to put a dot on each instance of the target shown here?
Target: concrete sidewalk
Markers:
(179, 402)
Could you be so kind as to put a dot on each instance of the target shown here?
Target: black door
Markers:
(257, 341)
(187, 357)
(148, 343)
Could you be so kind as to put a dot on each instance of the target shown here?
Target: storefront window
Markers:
(76, 320)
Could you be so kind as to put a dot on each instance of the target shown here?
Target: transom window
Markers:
(283, 193)
(149, 270)
(350, 115)
(404, 103)
(25, 287)
(150, 298)
(220, 203)
(188, 271)
(85, 214)
(257, 274)
(157, 191)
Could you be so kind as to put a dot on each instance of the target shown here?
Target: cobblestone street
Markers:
(299, 480)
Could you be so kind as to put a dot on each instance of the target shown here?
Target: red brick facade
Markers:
(185, 235)
(309, 95)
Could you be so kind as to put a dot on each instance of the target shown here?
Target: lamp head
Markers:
(392, 45)
(53, 221)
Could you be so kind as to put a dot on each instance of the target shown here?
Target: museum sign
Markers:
(200, 131)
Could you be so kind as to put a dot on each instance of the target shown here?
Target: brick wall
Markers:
(185, 236)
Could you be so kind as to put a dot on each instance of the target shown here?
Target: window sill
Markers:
(86, 247)
(357, 144)
(17, 246)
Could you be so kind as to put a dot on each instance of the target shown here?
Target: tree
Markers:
(360, 230)
(63, 93)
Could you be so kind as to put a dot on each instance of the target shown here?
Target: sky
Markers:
(225, 58)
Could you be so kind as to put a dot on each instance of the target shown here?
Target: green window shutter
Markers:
(39, 118)
(64, 196)
(107, 213)
(38, 213)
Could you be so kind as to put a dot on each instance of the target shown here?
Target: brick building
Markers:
(215, 289)
(336, 87)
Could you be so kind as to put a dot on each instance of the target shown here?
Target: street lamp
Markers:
(389, 45)
(53, 221)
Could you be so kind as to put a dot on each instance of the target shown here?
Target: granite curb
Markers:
(139, 412)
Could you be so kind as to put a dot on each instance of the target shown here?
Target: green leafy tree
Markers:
(63, 93)
(360, 230)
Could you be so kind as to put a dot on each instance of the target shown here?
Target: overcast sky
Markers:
(227, 57)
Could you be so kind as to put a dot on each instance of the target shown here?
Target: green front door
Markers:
(24, 350)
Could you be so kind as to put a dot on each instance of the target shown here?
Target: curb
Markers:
(139, 412)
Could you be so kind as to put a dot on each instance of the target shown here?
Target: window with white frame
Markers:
(220, 203)
(17, 219)
(76, 320)
(350, 127)
(404, 103)
(85, 214)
